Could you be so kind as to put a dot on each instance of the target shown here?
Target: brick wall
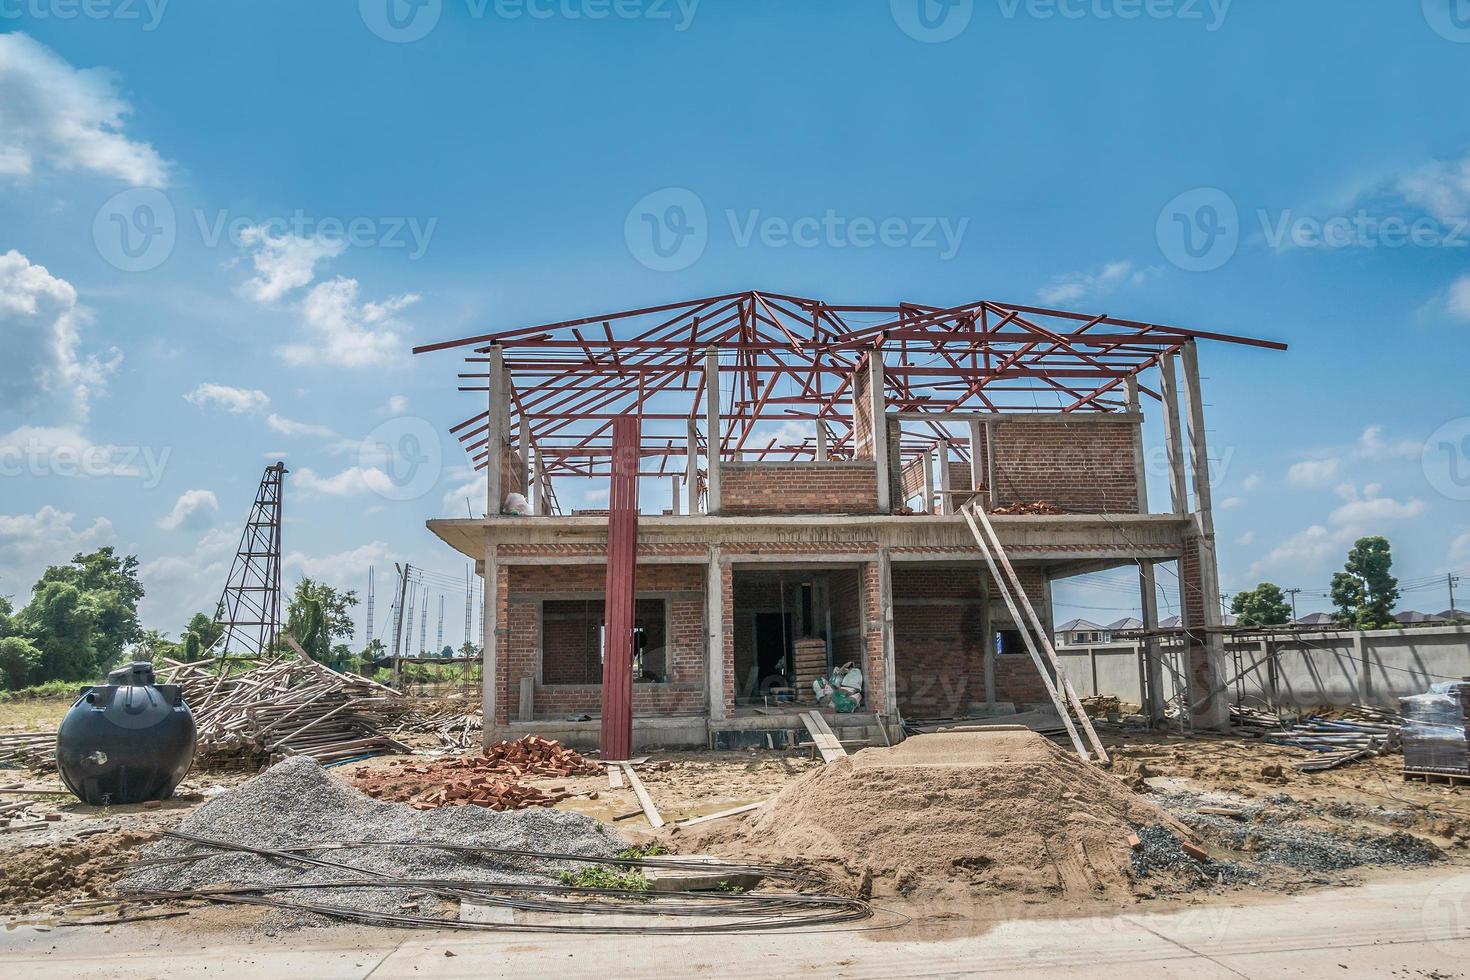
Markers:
(833, 487)
(938, 643)
(523, 646)
(1016, 679)
(875, 680)
(1081, 463)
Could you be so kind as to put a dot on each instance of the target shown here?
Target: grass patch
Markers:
(651, 849)
(42, 692)
(603, 876)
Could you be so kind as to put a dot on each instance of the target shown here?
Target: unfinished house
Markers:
(733, 497)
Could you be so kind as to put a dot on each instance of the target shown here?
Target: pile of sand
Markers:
(1003, 811)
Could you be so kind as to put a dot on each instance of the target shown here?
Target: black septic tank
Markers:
(127, 741)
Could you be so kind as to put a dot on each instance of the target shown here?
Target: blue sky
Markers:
(486, 172)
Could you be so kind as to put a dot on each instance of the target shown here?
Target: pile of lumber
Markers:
(250, 714)
(809, 662)
(457, 730)
(1031, 508)
(34, 750)
(1359, 732)
(490, 780)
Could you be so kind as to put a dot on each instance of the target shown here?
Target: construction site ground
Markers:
(1244, 799)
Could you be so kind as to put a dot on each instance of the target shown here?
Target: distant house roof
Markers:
(1169, 622)
(1452, 614)
(1077, 625)
(1415, 616)
(1126, 623)
(1315, 619)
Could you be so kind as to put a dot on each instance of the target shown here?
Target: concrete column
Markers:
(543, 488)
(1153, 667)
(885, 608)
(525, 447)
(497, 408)
(1365, 675)
(977, 458)
(674, 494)
(712, 430)
(879, 414)
(990, 481)
(821, 442)
(1210, 707)
(1173, 436)
(691, 469)
(946, 497)
(490, 654)
(714, 618)
(987, 639)
(926, 483)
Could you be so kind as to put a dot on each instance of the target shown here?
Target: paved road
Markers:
(1419, 923)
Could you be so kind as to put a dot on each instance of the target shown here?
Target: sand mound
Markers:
(1006, 811)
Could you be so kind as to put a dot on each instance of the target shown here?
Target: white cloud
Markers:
(1442, 188)
(236, 401)
(283, 262)
(348, 333)
(1369, 509)
(348, 483)
(1372, 445)
(1460, 548)
(1251, 482)
(342, 570)
(68, 119)
(476, 491)
(194, 510)
(1231, 502)
(397, 405)
(1458, 298)
(287, 427)
(1363, 512)
(31, 542)
(1073, 286)
(1312, 472)
(1248, 538)
(41, 371)
(178, 586)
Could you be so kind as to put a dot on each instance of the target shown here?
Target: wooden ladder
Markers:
(1066, 700)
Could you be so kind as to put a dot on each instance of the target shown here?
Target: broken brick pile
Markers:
(490, 780)
(1036, 508)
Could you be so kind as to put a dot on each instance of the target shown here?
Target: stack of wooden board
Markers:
(809, 662)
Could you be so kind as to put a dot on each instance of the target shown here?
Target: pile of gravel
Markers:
(1304, 849)
(297, 802)
(1161, 853)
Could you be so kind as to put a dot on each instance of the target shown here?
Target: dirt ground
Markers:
(42, 714)
(43, 871)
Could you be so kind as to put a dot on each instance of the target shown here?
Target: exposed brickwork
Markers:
(1016, 679)
(938, 643)
(845, 596)
(840, 487)
(727, 635)
(875, 678)
(523, 645)
(1082, 464)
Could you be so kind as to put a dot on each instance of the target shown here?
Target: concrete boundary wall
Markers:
(1303, 671)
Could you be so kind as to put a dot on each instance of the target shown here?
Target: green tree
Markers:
(1364, 592)
(205, 629)
(191, 647)
(334, 608)
(1265, 605)
(18, 660)
(110, 588)
(62, 623)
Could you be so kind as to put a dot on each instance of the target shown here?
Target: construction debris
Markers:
(268, 711)
(34, 750)
(1359, 732)
(1036, 508)
(491, 780)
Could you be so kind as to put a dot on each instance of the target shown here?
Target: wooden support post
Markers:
(712, 431)
(497, 408)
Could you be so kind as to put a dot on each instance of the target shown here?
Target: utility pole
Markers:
(398, 620)
(1451, 580)
(370, 608)
(1293, 594)
(439, 641)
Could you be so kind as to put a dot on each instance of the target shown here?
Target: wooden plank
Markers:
(649, 810)
(733, 811)
(614, 776)
(826, 743)
(527, 707)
